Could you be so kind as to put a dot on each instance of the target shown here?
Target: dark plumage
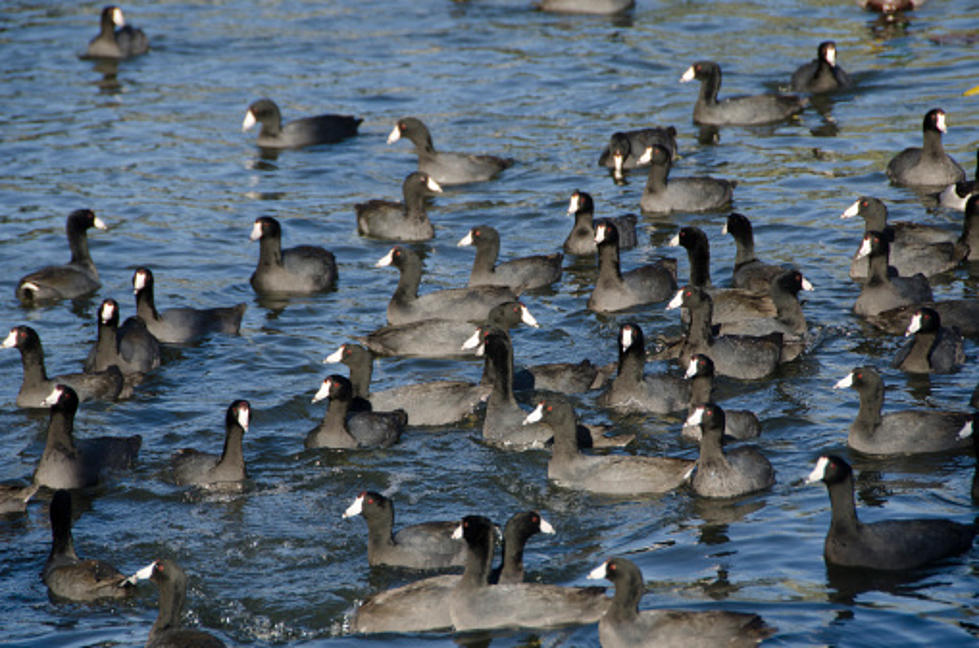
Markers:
(581, 239)
(732, 473)
(822, 74)
(121, 43)
(217, 471)
(131, 347)
(343, 429)
(907, 432)
(889, 544)
(749, 273)
(76, 278)
(616, 290)
(633, 391)
(181, 325)
(306, 131)
(36, 386)
(625, 148)
(400, 221)
(738, 424)
(68, 576)
(167, 631)
(446, 168)
(884, 290)
(519, 528)
(299, 270)
(664, 195)
(956, 194)
(933, 349)
(625, 626)
(928, 165)
(521, 274)
(747, 110)
(427, 545)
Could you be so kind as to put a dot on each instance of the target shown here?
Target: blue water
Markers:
(156, 150)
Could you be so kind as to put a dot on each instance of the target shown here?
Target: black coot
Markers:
(754, 109)
(113, 43)
(446, 168)
(76, 278)
(306, 131)
(299, 270)
(400, 221)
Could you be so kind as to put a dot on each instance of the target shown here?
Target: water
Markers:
(156, 151)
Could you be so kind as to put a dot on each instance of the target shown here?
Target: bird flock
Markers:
(745, 333)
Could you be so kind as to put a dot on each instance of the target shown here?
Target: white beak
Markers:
(527, 318)
(107, 311)
(355, 508)
(940, 123)
(695, 417)
(457, 534)
(831, 56)
(600, 233)
(334, 357)
(139, 282)
(323, 392)
(117, 18)
(914, 325)
(466, 240)
(248, 122)
(53, 397)
(677, 300)
(244, 417)
(723, 229)
(626, 337)
(386, 260)
(646, 156)
(573, 204)
(432, 185)
(598, 573)
(844, 382)
(545, 526)
(818, 472)
(807, 285)
(966, 430)
(395, 135)
(100, 224)
(864, 249)
(675, 241)
(691, 369)
(689, 75)
(142, 574)
(535, 416)
(10, 341)
(256, 231)
(472, 342)
(618, 161)
(852, 210)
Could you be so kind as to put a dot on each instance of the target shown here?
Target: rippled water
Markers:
(156, 150)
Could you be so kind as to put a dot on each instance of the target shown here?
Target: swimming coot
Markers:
(738, 424)
(928, 165)
(522, 274)
(822, 74)
(306, 131)
(226, 470)
(581, 239)
(889, 544)
(633, 391)
(446, 168)
(181, 325)
(343, 429)
(933, 349)
(615, 290)
(955, 195)
(519, 528)
(749, 272)
(299, 270)
(400, 221)
(625, 148)
(76, 278)
(664, 195)
(131, 347)
(885, 290)
(755, 109)
(721, 473)
(113, 43)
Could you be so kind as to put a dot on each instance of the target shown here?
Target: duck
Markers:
(467, 304)
(108, 384)
(616, 290)
(914, 247)
(131, 347)
(520, 275)
(67, 576)
(738, 424)
(66, 463)
(581, 239)
(822, 74)
(956, 194)
(438, 402)
(729, 304)
(77, 278)
(618, 475)
(116, 39)
(625, 148)
(736, 356)
(427, 545)
(446, 168)
(933, 349)
(299, 133)
(741, 111)
(181, 325)
(400, 221)
(477, 605)
(167, 631)
(624, 626)
(442, 338)
(884, 291)
(928, 165)
(300, 270)
(227, 470)
(663, 195)
(732, 473)
(631, 390)
(749, 273)
(358, 430)
(885, 545)
(897, 433)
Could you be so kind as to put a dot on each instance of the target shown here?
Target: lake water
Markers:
(156, 150)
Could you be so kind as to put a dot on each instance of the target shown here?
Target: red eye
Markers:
(370, 500)
(863, 203)
(610, 567)
(535, 520)
(549, 408)
(860, 375)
